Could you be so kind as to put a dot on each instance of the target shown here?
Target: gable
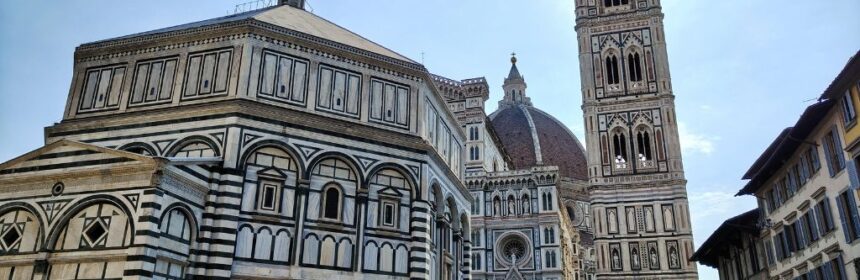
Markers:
(66, 154)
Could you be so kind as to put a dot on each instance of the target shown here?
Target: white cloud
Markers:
(692, 142)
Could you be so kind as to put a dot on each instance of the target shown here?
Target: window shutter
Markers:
(843, 217)
(830, 167)
(852, 176)
(828, 215)
(840, 266)
(778, 244)
(828, 272)
(838, 149)
(852, 212)
(798, 232)
(813, 225)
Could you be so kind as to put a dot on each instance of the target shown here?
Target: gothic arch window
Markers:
(331, 202)
(634, 66)
(612, 75)
(643, 143)
(619, 148)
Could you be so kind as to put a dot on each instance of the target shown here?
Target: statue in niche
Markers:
(496, 207)
(635, 254)
(673, 258)
(525, 206)
(616, 259)
(511, 207)
(654, 260)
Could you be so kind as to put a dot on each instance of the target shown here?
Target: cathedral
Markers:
(275, 144)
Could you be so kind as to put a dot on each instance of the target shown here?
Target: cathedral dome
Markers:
(532, 137)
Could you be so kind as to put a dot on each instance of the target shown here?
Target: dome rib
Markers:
(532, 137)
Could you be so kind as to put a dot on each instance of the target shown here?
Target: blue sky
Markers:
(742, 70)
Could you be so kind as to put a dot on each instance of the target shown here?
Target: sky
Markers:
(742, 70)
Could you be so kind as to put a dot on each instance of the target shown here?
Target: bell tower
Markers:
(636, 175)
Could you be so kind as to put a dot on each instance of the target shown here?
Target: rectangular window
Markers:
(101, 88)
(778, 245)
(207, 73)
(812, 158)
(811, 224)
(339, 91)
(269, 194)
(430, 125)
(283, 77)
(824, 216)
(804, 169)
(389, 213)
(833, 152)
(389, 103)
(153, 81)
(848, 111)
(848, 216)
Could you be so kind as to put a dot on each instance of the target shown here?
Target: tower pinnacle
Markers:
(514, 86)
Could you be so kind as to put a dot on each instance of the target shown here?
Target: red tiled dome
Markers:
(558, 146)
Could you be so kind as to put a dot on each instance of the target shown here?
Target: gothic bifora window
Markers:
(619, 149)
(634, 66)
(643, 144)
(612, 76)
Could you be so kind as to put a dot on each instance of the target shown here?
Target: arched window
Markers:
(331, 202)
(612, 76)
(474, 153)
(619, 145)
(643, 144)
(176, 226)
(634, 67)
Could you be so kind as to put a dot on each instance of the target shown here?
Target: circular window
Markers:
(58, 188)
(513, 246)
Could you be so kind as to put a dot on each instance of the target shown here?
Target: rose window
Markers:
(513, 246)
